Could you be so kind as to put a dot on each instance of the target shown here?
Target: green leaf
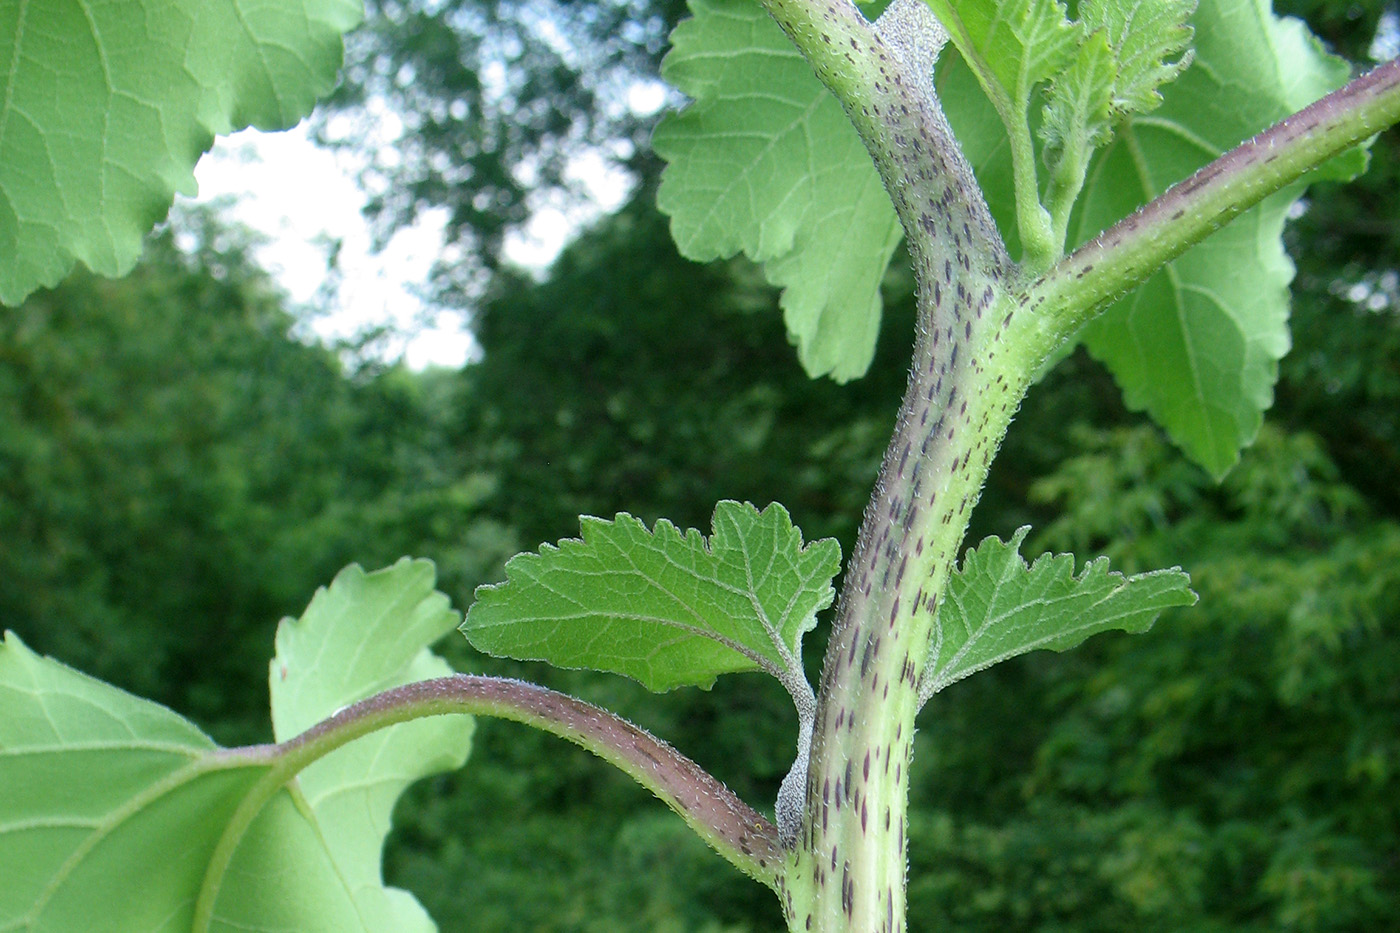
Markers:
(664, 607)
(1078, 111)
(996, 607)
(1198, 345)
(363, 635)
(1151, 44)
(101, 791)
(1012, 45)
(106, 107)
(1129, 50)
(114, 807)
(764, 162)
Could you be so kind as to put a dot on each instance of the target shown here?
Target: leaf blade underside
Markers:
(106, 107)
(107, 794)
(997, 607)
(664, 607)
(765, 163)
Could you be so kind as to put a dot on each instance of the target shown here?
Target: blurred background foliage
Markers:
(177, 471)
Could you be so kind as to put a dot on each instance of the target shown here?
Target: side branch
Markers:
(1132, 250)
(729, 825)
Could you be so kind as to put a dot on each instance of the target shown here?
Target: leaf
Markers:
(1078, 110)
(1012, 45)
(1151, 44)
(1198, 345)
(664, 607)
(764, 162)
(104, 794)
(107, 795)
(106, 107)
(363, 635)
(996, 607)
(1129, 50)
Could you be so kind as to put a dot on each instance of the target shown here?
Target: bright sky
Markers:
(303, 197)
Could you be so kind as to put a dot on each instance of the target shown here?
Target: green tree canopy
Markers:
(176, 469)
(488, 103)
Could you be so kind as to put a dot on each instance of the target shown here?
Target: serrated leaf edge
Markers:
(790, 674)
(1062, 570)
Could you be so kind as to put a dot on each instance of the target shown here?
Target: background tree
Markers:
(177, 471)
(477, 111)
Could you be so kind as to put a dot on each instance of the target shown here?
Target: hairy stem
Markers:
(1034, 224)
(1132, 250)
(847, 869)
(730, 826)
(977, 344)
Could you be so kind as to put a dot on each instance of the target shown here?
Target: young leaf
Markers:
(664, 607)
(107, 794)
(1130, 49)
(105, 108)
(1012, 46)
(996, 607)
(1078, 113)
(1198, 345)
(764, 162)
(1151, 44)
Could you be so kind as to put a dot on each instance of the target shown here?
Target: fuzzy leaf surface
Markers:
(1078, 106)
(664, 607)
(764, 162)
(106, 107)
(1012, 45)
(1128, 50)
(1150, 41)
(107, 794)
(996, 607)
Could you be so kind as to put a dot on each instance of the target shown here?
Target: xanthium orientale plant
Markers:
(1057, 179)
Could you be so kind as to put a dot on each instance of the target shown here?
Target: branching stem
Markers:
(734, 829)
(979, 339)
(981, 334)
(1128, 253)
(846, 869)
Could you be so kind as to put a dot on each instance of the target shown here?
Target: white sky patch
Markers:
(551, 226)
(645, 98)
(303, 198)
(1386, 44)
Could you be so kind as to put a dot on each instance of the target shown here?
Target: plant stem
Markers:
(976, 347)
(847, 870)
(1034, 224)
(1129, 252)
(729, 825)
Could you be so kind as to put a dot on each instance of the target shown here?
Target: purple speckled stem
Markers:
(1130, 251)
(846, 871)
(734, 829)
(981, 334)
(979, 338)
